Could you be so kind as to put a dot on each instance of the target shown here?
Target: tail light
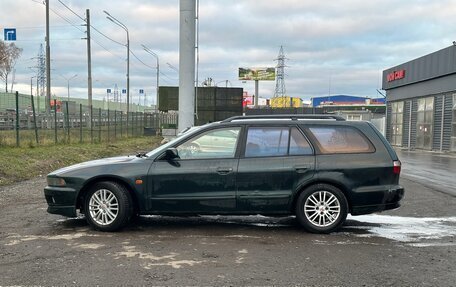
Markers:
(396, 167)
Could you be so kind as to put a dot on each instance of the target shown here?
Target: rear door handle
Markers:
(301, 169)
(224, 170)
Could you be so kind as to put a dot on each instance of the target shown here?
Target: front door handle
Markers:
(224, 170)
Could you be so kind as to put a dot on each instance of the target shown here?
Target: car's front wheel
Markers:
(108, 206)
(321, 208)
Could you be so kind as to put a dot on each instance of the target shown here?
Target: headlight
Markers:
(55, 181)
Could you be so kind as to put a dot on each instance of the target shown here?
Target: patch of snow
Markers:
(406, 229)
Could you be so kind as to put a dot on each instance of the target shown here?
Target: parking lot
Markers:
(413, 245)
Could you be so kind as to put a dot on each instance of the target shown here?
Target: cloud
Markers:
(349, 41)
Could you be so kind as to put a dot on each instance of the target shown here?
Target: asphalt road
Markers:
(434, 170)
(414, 245)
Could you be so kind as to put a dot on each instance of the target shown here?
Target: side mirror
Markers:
(171, 153)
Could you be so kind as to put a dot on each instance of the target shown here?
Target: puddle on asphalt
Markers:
(411, 231)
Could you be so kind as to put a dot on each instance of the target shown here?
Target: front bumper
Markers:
(387, 199)
(61, 200)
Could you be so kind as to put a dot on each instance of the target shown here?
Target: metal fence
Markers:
(68, 122)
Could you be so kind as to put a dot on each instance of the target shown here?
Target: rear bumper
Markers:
(390, 199)
(61, 200)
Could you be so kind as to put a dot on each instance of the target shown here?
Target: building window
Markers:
(354, 118)
(425, 117)
(453, 124)
(397, 115)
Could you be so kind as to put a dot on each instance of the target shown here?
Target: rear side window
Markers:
(267, 141)
(276, 141)
(341, 139)
(298, 143)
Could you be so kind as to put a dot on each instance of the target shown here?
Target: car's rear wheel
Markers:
(108, 206)
(321, 208)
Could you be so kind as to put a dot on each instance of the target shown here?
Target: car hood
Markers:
(95, 163)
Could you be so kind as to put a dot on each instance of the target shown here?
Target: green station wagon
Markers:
(317, 167)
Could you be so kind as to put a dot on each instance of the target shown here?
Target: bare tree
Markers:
(9, 53)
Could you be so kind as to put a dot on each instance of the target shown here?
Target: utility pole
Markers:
(48, 63)
(89, 65)
(187, 39)
(89, 59)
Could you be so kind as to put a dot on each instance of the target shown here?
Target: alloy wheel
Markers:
(103, 207)
(322, 208)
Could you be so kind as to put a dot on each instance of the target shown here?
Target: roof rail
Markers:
(289, 116)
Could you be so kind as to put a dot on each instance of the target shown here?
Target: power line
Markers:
(85, 20)
(41, 27)
(98, 31)
(107, 37)
(134, 55)
(78, 27)
(72, 11)
(68, 21)
(101, 33)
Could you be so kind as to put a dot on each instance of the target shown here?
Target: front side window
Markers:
(341, 139)
(220, 143)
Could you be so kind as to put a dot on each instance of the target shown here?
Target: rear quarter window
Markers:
(341, 139)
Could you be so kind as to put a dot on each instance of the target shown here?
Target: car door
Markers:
(202, 179)
(275, 162)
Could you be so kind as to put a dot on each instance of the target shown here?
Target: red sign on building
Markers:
(396, 75)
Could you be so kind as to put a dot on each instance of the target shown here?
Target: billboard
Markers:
(285, 102)
(260, 74)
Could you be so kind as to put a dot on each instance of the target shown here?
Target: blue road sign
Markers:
(124, 91)
(141, 91)
(9, 34)
(108, 91)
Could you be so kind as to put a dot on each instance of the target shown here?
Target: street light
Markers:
(68, 83)
(121, 25)
(158, 72)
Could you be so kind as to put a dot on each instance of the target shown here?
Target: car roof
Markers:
(292, 117)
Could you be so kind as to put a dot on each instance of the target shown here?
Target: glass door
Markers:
(397, 114)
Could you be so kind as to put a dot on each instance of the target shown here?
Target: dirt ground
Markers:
(411, 246)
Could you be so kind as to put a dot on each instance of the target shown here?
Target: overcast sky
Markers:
(337, 47)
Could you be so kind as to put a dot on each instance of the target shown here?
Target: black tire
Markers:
(108, 206)
(323, 214)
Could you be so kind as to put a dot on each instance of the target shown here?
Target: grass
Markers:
(47, 136)
(22, 163)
